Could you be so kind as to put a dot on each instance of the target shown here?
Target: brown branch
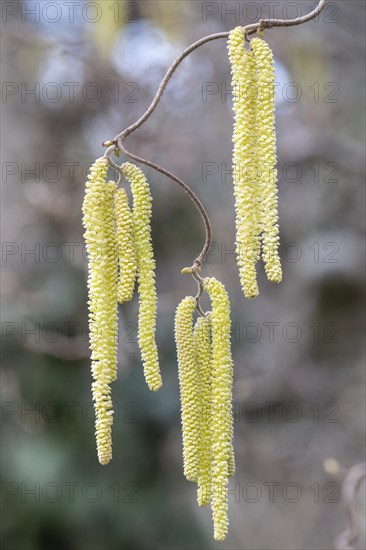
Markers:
(198, 261)
(119, 138)
(166, 79)
(270, 23)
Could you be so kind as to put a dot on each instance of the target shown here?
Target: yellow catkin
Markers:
(145, 274)
(188, 384)
(222, 419)
(231, 464)
(202, 343)
(98, 220)
(126, 247)
(266, 156)
(245, 169)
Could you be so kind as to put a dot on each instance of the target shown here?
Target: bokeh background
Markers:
(73, 75)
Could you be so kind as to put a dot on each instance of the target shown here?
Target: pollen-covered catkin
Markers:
(189, 386)
(145, 274)
(245, 169)
(202, 343)
(126, 247)
(222, 419)
(100, 238)
(266, 157)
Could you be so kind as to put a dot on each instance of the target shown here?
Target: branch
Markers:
(119, 138)
(190, 193)
(166, 79)
(270, 23)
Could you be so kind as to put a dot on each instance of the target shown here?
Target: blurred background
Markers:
(73, 75)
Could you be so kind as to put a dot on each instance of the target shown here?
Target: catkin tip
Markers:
(156, 384)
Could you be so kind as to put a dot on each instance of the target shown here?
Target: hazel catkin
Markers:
(254, 160)
(245, 169)
(202, 343)
(98, 220)
(188, 385)
(126, 247)
(222, 420)
(145, 274)
(267, 157)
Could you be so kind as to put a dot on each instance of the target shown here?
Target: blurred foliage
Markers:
(116, 62)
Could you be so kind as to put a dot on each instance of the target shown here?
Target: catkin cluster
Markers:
(205, 379)
(254, 160)
(119, 247)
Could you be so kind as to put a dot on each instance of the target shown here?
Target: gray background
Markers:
(299, 382)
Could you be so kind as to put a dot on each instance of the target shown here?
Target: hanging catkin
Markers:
(126, 247)
(266, 157)
(101, 246)
(189, 388)
(222, 419)
(202, 343)
(145, 273)
(245, 169)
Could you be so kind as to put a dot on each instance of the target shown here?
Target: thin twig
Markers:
(119, 138)
(166, 79)
(270, 23)
(198, 261)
